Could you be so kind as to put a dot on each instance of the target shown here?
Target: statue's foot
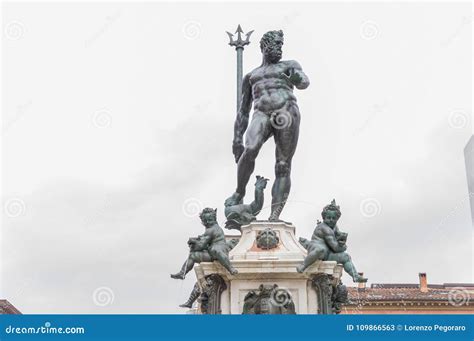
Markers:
(360, 279)
(186, 305)
(179, 275)
(234, 199)
(274, 218)
(233, 272)
(300, 268)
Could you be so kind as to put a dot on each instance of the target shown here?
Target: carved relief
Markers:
(210, 298)
(267, 239)
(269, 300)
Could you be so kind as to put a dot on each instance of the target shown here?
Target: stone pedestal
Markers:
(267, 254)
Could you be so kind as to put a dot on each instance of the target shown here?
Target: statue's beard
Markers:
(273, 56)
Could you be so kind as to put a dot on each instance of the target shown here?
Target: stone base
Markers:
(310, 291)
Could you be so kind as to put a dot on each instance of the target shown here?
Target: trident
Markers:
(239, 44)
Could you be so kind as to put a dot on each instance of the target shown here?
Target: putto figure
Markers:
(207, 247)
(328, 243)
(270, 88)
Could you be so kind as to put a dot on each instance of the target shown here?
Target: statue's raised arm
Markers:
(295, 75)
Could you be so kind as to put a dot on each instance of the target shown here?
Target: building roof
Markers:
(7, 308)
(454, 293)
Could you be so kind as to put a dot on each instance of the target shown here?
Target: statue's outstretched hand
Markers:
(261, 182)
(292, 77)
(341, 238)
(342, 243)
(237, 150)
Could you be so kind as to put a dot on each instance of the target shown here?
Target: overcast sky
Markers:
(118, 122)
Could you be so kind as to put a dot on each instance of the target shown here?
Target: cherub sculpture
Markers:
(239, 214)
(328, 243)
(196, 292)
(208, 247)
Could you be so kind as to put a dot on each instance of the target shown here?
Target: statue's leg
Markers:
(345, 259)
(187, 266)
(286, 139)
(258, 132)
(313, 255)
(194, 257)
(192, 297)
(223, 258)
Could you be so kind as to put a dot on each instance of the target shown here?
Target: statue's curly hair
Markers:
(269, 37)
(331, 207)
(208, 210)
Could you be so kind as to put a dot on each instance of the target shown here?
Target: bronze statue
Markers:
(270, 88)
(208, 247)
(196, 292)
(239, 214)
(328, 243)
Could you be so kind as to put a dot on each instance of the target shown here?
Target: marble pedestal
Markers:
(312, 292)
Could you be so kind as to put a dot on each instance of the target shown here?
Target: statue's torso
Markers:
(270, 91)
(217, 235)
(321, 231)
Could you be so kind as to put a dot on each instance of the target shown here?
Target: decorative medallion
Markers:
(267, 239)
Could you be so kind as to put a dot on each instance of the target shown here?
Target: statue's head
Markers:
(271, 44)
(208, 216)
(331, 214)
